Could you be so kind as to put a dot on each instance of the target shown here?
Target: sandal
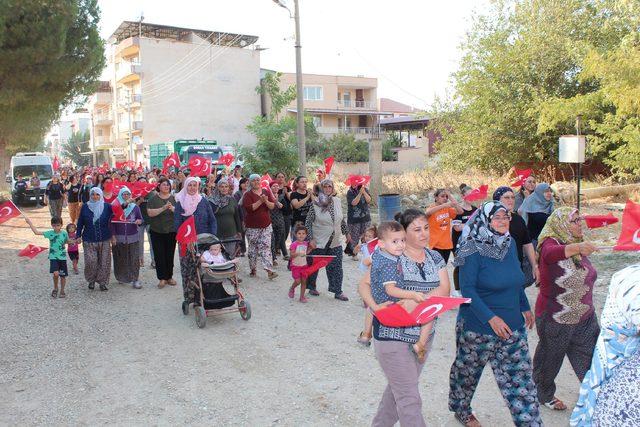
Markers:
(341, 297)
(171, 282)
(556, 404)
(54, 293)
(62, 295)
(364, 340)
(472, 421)
(161, 284)
(271, 274)
(314, 292)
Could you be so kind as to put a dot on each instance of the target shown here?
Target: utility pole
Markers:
(130, 125)
(92, 141)
(578, 122)
(302, 151)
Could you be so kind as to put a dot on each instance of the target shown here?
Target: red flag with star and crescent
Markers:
(55, 164)
(199, 166)
(522, 176)
(186, 234)
(31, 251)
(629, 239)
(396, 316)
(226, 159)
(358, 180)
(328, 165)
(479, 193)
(597, 221)
(172, 160)
(319, 261)
(7, 211)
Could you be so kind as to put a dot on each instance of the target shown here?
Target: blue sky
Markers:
(411, 46)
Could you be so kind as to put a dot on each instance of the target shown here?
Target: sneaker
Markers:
(314, 292)
(341, 297)
(137, 285)
(292, 292)
(92, 285)
(304, 299)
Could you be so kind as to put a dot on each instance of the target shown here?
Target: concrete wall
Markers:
(217, 102)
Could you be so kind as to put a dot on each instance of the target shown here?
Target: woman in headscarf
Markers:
(525, 191)
(189, 202)
(565, 316)
(536, 209)
(520, 235)
(225, 208)
(619, 340)
(358, 215)
(491, 329)
(257, 203)
(125, 239)
(325, 224)
(95, 231)
(242, 188)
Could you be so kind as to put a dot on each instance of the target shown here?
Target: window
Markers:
(312, 93)
(99, 132)
(317, 121)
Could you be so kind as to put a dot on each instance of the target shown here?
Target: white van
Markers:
(25, 164)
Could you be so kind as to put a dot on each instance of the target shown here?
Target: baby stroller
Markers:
(216, 287)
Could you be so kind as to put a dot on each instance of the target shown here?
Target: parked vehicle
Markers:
(25, 164)
(187, 148)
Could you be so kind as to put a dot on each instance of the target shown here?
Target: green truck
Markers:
(186, 148)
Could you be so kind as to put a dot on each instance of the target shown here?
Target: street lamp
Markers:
(302, 154)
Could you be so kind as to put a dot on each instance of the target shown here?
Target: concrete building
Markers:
(395, 108)
(173, 83)
(338, 104)
(71, 122)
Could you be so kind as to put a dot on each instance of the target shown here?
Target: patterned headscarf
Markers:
(323, 201)
(479, 236)
(127, 206)
(619, 338)
(558, 227)
(500, 191)
(217, 198)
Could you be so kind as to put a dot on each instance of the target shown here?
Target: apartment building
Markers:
(169, 83)
(339, 104)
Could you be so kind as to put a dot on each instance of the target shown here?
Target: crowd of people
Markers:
(496, 249)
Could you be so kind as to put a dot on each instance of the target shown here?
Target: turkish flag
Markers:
(372, 245)
(328, 164)
(597, 221)
(199, 166)
(479, 193)
(265, 182)
(186, 234)
(31, 251)
(226, 159)
(522, 176)
(120, 165)
(172, 160)
(117, 185)
(56, 163)
(118, 212)
(8, 210)
(140, 168)
(318, 262)
(290, 185)
(141, 189)
(105, 165)
(629, 239)
(396, 316)
(358, 180)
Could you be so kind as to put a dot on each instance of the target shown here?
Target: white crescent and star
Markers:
(436, 308)
(636, 237)
(8, 209)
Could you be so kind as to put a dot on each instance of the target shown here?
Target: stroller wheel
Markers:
(201, 317)
(245, 309)
(185, 307)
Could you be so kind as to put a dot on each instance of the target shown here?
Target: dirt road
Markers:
(131, 357)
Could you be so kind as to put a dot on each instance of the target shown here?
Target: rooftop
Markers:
(129, 29)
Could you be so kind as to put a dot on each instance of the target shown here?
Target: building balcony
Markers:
(128, 72)
(101, 98)
(128, 47)
(137, 125)
(105, 119)
(358, 132)
(103, 142)
(353, 104)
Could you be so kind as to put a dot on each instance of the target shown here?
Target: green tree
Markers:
(516, 58)
(73, 148)
(50, 55)
(276, 148)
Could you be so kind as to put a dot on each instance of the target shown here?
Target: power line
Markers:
(184, 79)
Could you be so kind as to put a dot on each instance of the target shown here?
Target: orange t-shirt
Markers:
(440, 228)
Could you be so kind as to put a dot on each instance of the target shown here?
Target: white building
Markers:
(173, 83)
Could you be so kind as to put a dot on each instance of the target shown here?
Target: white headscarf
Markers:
(189, 202)
(96, 207)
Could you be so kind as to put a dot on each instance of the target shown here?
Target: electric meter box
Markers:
(571, 149)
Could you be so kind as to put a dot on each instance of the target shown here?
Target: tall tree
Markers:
(50, 54)
(515, 59)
